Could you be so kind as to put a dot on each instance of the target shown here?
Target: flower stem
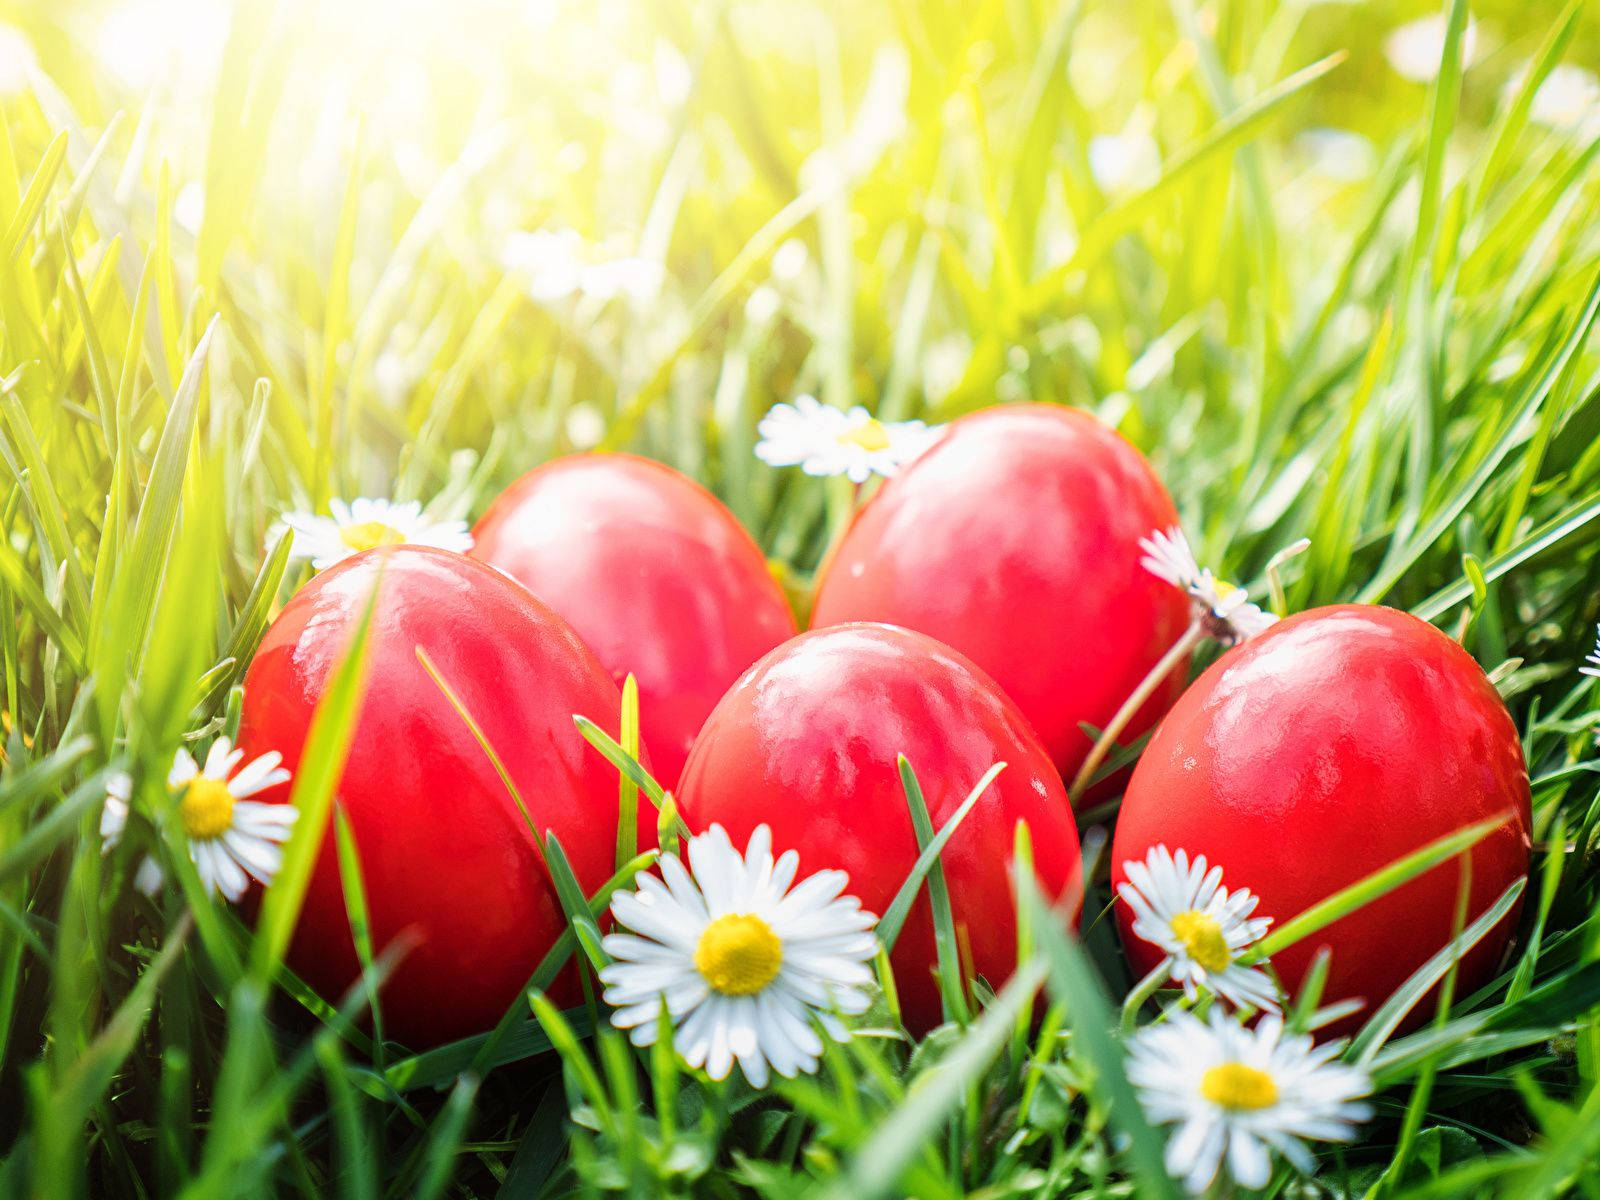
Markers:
(843, 498)
(1142, 991)
(1135, 701)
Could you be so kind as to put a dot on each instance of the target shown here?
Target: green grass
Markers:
(1396, 361)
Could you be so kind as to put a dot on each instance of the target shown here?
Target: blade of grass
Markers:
(333, 725)
(894, 917)
(952, 988)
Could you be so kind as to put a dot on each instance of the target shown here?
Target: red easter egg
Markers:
(1015, 540)
(653, 572)
(446, 856)
(1336, 742)
(808, 741)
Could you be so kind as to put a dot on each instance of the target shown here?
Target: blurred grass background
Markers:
(1331, 290)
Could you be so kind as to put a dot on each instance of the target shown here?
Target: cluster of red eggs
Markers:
(982, 607)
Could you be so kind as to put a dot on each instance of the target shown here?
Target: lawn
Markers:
(1331, 267)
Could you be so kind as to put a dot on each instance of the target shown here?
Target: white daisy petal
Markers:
(149, 877)
(1592, 659)
(1237, 1093)
(271, 821)
(259, 857)
(749, 967)
(259, 775)
(229, 876)
(205, 861)
(184, 768)
(114, 816)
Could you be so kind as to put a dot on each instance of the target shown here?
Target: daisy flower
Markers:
(232, 838)
(746, 965)
(1182, 908)
(1238, 1093)
(363, 524)
(1224, 607)
(823, 440)
(114, 822)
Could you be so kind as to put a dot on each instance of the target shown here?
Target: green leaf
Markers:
(876, 1168)
(1379, 883)
(894, 917)
(1089, 1012)
(952, 988)
(627, 788)
(1421, 981)
(333, 724)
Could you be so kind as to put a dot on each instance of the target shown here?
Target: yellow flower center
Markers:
(738, 954)
(367, 534)
(206, 808)
(1234, 1085)
(1202, 939)
(1223, 588)
(870, 435)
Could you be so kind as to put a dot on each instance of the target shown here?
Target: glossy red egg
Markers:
(1015, 540)
(446, 856)
(653, 572)
(807, 742)
(1338, 741)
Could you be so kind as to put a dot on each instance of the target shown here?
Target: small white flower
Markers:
(789, 260)
(1416, 48)
(231, 836)
(1225, 608)
(746, 966)
(1568, 99)
(1592, 658)
(823, 440)
(1124, 162)
(114, 822)
(559, 263)
(363, 524)
(1183, 909)
(1338, 154)
(1238, 1093)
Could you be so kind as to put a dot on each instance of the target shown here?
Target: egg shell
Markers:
(1337, 742)
(446, 856)
(808, 743)
(653, 572)
(1015, 540)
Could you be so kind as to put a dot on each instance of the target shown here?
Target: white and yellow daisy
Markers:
(1238, 1093)
(748, 967)
(823, 440)
(1224, 607)
(1182, 908)
(114, 822)
(231, 836)
(365, 523)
